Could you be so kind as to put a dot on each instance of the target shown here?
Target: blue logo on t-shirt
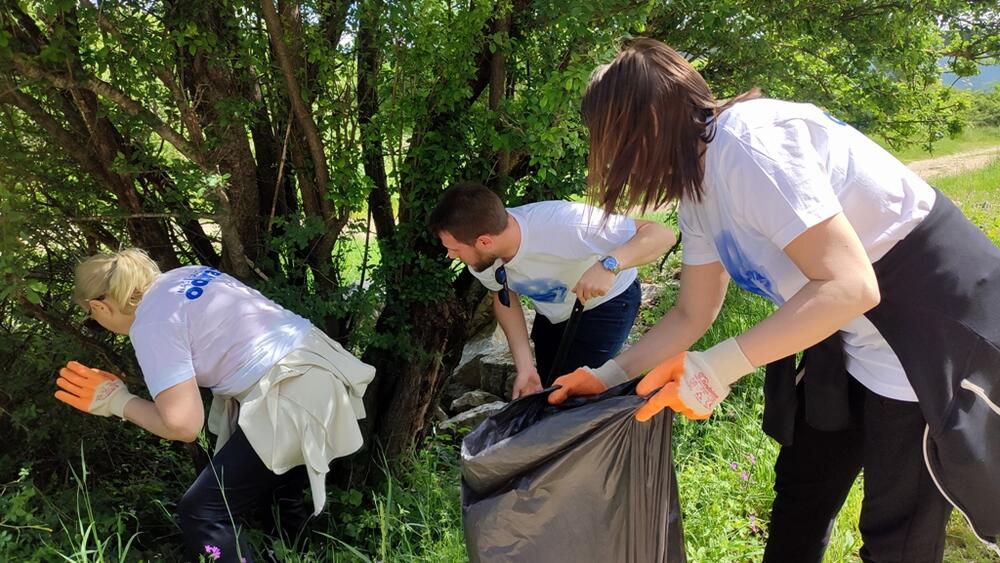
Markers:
(745, 273)
(542, 290)
(195, 284)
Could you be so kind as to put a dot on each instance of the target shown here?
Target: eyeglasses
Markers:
(500, 275)
(90, 322)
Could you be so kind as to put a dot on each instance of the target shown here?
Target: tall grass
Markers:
(90, 537)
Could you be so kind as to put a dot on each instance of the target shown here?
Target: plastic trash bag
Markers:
(580, 482)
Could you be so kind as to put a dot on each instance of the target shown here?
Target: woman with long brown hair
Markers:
(893, 294)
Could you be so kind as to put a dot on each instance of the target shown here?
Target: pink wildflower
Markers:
(213, 552)
(745, 476)
(733, 466)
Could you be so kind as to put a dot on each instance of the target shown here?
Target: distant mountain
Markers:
(987, 79)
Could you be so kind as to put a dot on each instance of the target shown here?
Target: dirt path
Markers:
(954, 163)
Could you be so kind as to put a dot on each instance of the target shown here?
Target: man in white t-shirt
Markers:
(553, 253)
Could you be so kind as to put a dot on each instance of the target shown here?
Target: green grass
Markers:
(968, 140)
(977, 193)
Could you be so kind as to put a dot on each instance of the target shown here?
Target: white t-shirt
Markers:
(560, 240)
(196, 322)
(774, 170)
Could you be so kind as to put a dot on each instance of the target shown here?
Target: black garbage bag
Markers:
(580, 482)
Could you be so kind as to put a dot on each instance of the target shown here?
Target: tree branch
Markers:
(117, 97)
(188, 115)
(302, 114)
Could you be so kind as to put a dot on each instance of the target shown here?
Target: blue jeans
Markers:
(599, 335)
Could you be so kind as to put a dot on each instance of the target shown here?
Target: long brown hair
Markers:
(650, 114)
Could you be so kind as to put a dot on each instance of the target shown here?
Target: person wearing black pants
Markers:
(815, 473)
(237, 486)
(286, 397)
(890, 292)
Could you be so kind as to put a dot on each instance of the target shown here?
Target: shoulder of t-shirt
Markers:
(752, 130)
(546, 210)
(181, 271)
(156, 331)
(150, 309)
(562, 212)
(760, 117)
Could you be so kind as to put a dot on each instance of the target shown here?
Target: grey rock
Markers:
(471, 418)
(471, 400)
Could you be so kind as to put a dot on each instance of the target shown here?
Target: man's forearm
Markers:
(514, 327)
(651, 240)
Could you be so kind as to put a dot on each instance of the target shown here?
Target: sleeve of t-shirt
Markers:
(164, 355)
(779, 181)
(487, 278)
(598, 234)
(696, 246)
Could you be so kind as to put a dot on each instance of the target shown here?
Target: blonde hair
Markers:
(122, 277)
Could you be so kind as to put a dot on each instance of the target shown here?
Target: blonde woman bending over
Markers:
(287, 398)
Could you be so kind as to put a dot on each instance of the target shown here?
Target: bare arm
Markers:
(648, 243)
(702, 291)
(177, 413)
(651, 240)
(842, 286)
(512, 322)
(514, 327)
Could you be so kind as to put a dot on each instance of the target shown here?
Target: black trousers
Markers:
(214, 508)
(903, 515)
(600, 335)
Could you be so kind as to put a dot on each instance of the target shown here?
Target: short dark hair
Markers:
(467, 211)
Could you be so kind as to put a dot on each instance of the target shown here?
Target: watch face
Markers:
(610, 263)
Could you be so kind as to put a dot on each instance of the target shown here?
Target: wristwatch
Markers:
(610, 263)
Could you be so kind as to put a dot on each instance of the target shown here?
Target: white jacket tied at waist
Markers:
(304, 411)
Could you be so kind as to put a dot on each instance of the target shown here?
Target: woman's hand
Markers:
(92, 391)
(693, 383)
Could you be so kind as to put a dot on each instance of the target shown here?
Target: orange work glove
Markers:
(580, 382)
(92, 391)
(587, 381)
(693, 383)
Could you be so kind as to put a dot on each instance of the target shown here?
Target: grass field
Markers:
(968, 140)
